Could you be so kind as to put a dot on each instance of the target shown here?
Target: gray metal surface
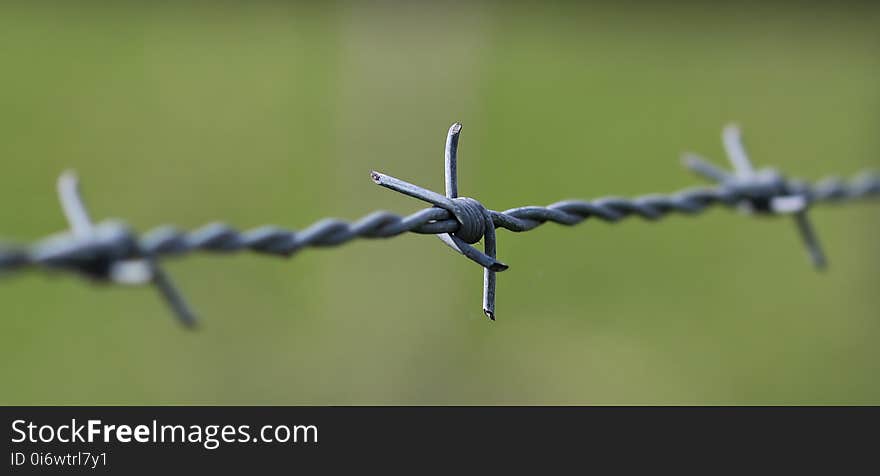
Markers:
(111, 252)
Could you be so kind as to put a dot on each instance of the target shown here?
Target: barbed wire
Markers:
(111, 252)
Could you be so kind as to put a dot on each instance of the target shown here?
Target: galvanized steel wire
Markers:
(112, 252)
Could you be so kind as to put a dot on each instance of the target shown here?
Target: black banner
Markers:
(286, 439)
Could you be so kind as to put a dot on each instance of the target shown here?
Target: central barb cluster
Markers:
(474, 220)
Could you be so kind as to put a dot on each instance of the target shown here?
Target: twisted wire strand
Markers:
(112, 241)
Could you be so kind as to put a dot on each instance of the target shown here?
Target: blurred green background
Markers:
(265, 113)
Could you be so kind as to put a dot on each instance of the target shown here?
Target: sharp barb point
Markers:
(499, 267)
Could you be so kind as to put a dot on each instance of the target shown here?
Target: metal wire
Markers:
(112, 252)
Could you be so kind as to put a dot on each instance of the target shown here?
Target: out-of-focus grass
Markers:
(261, 113)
